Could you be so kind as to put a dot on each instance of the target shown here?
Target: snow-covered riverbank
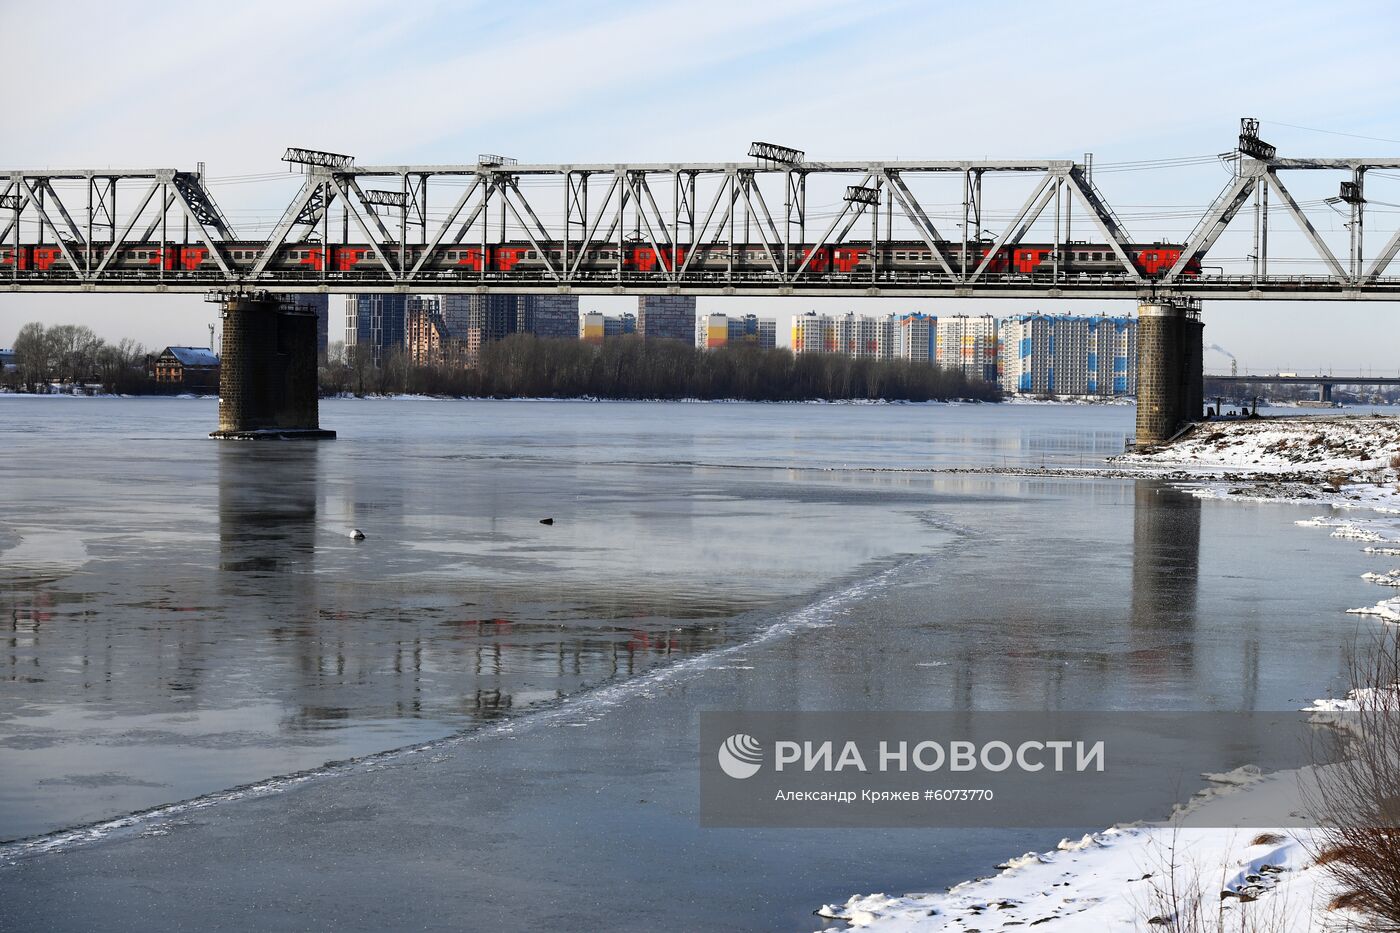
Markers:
(1122, 878)
(1283, 447)
(1265, 879)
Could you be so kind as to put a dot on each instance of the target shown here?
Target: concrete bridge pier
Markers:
(1324, 392)
(1170, 369)
(267, 373)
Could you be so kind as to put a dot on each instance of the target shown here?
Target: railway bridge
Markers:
(778, 224)
(1324, 382)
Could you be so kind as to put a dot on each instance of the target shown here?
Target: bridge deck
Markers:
(1293, 288)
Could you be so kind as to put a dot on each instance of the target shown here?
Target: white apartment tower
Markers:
(813, 333)
(872, 337)
(916, 337)
(1043, 354)
(862, 336)
(968, 343)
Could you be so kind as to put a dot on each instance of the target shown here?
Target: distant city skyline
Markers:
(371, 96)
(1322, 345)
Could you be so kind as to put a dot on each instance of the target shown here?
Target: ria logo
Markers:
(740, 756)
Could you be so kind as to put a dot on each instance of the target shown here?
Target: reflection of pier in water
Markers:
(1166, 574)
(274, 604)
(235, 631)
(353, 649)
(1077, 622)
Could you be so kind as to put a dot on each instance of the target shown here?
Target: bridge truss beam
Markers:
(185, 207)
(702, 228)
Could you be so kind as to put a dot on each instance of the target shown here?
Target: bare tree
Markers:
(630, 367)
(1358, 792)
(73, 352)
(32, 357)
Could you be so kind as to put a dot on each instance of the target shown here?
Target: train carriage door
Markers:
(315, 258)
(346, 258)
(820, 259)
(1027, 259)
(471, 259)
(1000, 261)
(846, 258)
(46, 256)
(508, 257)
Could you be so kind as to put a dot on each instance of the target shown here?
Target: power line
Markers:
(1316, 129)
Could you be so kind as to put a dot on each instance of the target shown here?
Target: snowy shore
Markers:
(1121, 878)
(1264, 879)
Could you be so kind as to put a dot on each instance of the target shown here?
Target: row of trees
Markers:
(69, 353)
(632, 368)
(524, 365)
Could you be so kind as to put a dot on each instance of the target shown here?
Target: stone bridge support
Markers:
(1170, 369)
(267, 373)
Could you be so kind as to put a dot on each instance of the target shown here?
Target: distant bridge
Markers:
(1294, 379)
(1324, 383)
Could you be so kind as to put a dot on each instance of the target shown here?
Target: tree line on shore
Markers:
(523, 365)
(74, 355)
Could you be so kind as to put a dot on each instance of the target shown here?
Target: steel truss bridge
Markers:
(686, 228)
(1305, 380)
(1324, 383)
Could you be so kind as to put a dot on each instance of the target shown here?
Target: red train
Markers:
(521, 258)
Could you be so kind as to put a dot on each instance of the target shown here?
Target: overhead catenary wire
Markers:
(1317, 129)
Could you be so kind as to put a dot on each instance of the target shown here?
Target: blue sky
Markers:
(233, 85)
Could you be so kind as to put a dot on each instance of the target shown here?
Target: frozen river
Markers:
(183, 616)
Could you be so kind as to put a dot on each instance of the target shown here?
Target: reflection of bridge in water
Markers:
(266, 609)
(438, 658)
